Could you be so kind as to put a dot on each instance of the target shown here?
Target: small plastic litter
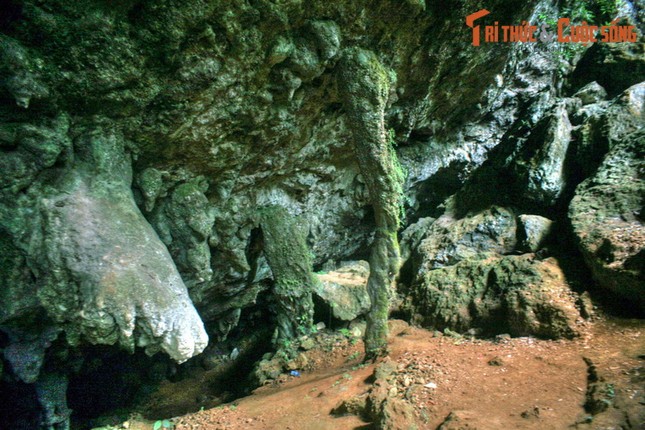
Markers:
(431, 385)
(295, 373)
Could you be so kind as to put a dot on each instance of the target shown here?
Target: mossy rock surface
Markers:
(607, 210)
(519, 295)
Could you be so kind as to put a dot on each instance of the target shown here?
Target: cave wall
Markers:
(222, 108)
(139, 140)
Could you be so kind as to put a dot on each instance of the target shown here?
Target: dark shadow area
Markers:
(406, 275)
(323, 312)
(19, 407)
(435, 190)
(578, 275)
(367, 427)
(110, 381)
(494, 182)
(615, 68)
(366, 222)
(112, 384)
(10, 12)
(253, 251)
(236, 381)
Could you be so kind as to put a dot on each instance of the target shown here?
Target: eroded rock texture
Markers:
(607, 210)
(96, 265)
(138, 141)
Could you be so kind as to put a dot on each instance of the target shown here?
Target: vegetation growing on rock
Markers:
(364, 86)
(288, 256)
(154, 155)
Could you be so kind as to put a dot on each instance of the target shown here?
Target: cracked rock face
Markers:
(607, 210)
(139, 139)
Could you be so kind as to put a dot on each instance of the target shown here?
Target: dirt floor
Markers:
(520, 383)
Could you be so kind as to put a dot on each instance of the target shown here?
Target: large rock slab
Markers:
(448, 241)
(607, 211)
(519, 295)
(345, 290)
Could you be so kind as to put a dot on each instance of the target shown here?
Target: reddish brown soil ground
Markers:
(520, 383)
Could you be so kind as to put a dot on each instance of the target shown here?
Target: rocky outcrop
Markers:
(345, 290)
(461, 276)
(83, 265)
(518, 295)
(607, 210)
(221, 108)
(535, 169)
(102, 273)
(184, 222)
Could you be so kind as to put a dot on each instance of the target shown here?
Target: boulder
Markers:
(384, 408)
(519, 295)
(607, 211)
(413, 235)
(533, 230)
(345, 290)
(448, 241)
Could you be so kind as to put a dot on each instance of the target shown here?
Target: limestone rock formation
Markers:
(103, 274)
(288, 257)
(139, 141)
(607, 210)
(345, 290)
(515, 294)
